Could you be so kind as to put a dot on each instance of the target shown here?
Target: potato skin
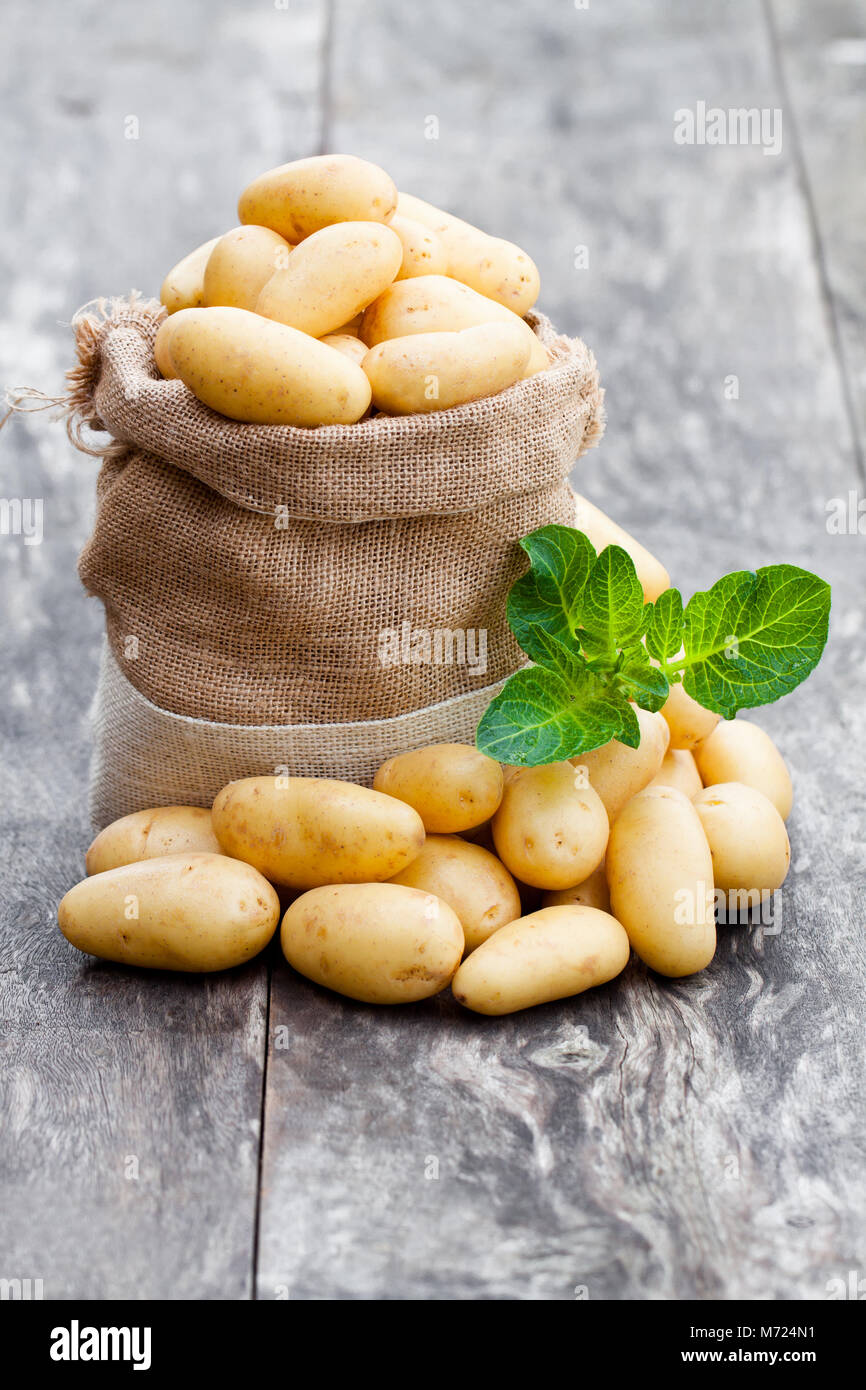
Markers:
(195, 913)
(183, 286)
(617, 772)
(423, 252)
(593, 892)
(551, 829)
(439, 304)
(331, 277)
(739, 751)
(241, 264)
(162, 345)
(302, 197)
(348, 344)
(381, 943)
(452, 786)
(150, 835)
(488, 264)
(250, 369)
(470, 880)
(603, 531)
(660, 875)
(303, 832)
(435, 371)
(551, 954)
(688, 721)
(679, 770)
(746, 835)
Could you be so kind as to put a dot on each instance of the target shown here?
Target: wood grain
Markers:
(695, 1139)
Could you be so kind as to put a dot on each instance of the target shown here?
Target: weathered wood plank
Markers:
(653, 1140)
(130, 1101)
(822, 53)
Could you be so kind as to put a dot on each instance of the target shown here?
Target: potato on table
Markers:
(747, 838)
(469, 879)
(689, 722)
(740, 751)
(593, 892)
(300, 198)
(551, 828)
(679, 770)
(381, 943)
(150, 835)
(660, 875)
(452, 786)
(617, 772)
(188, 912)
(551, 954)
(302, 832)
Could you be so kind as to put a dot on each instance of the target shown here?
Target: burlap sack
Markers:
(309, 599)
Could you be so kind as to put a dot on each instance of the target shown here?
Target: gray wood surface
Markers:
(702, 1138)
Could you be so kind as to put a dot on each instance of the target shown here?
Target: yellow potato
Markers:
(747, 837)
(381, 943)
(423, 252)
(353, 327)
(551, 829)
(162, 344)
(183, 286)
(192, 912)
(241, 264)
(435, 371)
(452, 786)
(332, 276)
(552, 954)
(150, 835)
(268, 374)
(593, 892)
(660, 875)
(688, 721)
(602, 531)
(438, 304)
(679, 770)
(346, 343)
(488, 264)
(302, 832)
(301, 198)
(470, 880)
(739, 751)
(616, 772)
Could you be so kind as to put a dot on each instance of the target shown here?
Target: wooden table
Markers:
(249, 1135)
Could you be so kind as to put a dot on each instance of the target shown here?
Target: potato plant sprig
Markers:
(596, 647)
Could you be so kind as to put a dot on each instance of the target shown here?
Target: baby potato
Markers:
(552, 954)
(679, 770)
(162, 344)
(183, 286)
(470, 880)
(241, 264)
(618, 772)
(593, 892)
(452, 786)
(739, 751)
(265, 373)
(302, 197)
(551, 828)
(493, 267)
(332, 276)
(688, 721)
(660, 875)
(602, 531)
(150, 835)
(191, 912)
(301, 832)
(435, 371)
(746, 835)
(438, 304)
(381, 943)
(348, 344)
(423, 252)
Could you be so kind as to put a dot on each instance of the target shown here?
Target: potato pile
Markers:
(337, 295)
(516, 886)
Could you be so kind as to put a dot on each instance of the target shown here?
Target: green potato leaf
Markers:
(664, 633)
(752, 638)
(549, 596)
(613, 606)
(642, 681)
(545, 716)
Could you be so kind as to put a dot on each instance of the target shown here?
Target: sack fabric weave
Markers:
(315, 599)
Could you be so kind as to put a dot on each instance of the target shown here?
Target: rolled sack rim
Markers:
(548, 420)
